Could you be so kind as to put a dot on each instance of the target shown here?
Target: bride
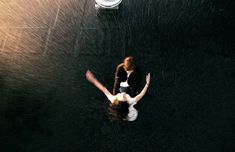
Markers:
(122, 97)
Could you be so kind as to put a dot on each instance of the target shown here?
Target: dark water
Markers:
(47, 105)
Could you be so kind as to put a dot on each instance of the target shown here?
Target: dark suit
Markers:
(134, 80)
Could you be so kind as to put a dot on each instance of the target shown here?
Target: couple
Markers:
(123, 102)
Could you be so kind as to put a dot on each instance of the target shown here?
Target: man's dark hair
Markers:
(129, 63)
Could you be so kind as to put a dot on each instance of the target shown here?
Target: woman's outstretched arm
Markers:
(144, 90)
(90, 77)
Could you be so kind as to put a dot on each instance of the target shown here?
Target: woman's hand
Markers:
(148, 78)
(89, 75)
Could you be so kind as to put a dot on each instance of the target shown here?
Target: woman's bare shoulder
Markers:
(112, 98)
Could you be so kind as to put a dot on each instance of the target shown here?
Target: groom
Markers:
(127, 77)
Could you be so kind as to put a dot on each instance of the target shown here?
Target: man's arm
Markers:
(117, 80)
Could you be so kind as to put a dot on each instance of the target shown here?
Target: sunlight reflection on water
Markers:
(25, 33)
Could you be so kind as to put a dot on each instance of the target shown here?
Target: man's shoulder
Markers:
(120, 66)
